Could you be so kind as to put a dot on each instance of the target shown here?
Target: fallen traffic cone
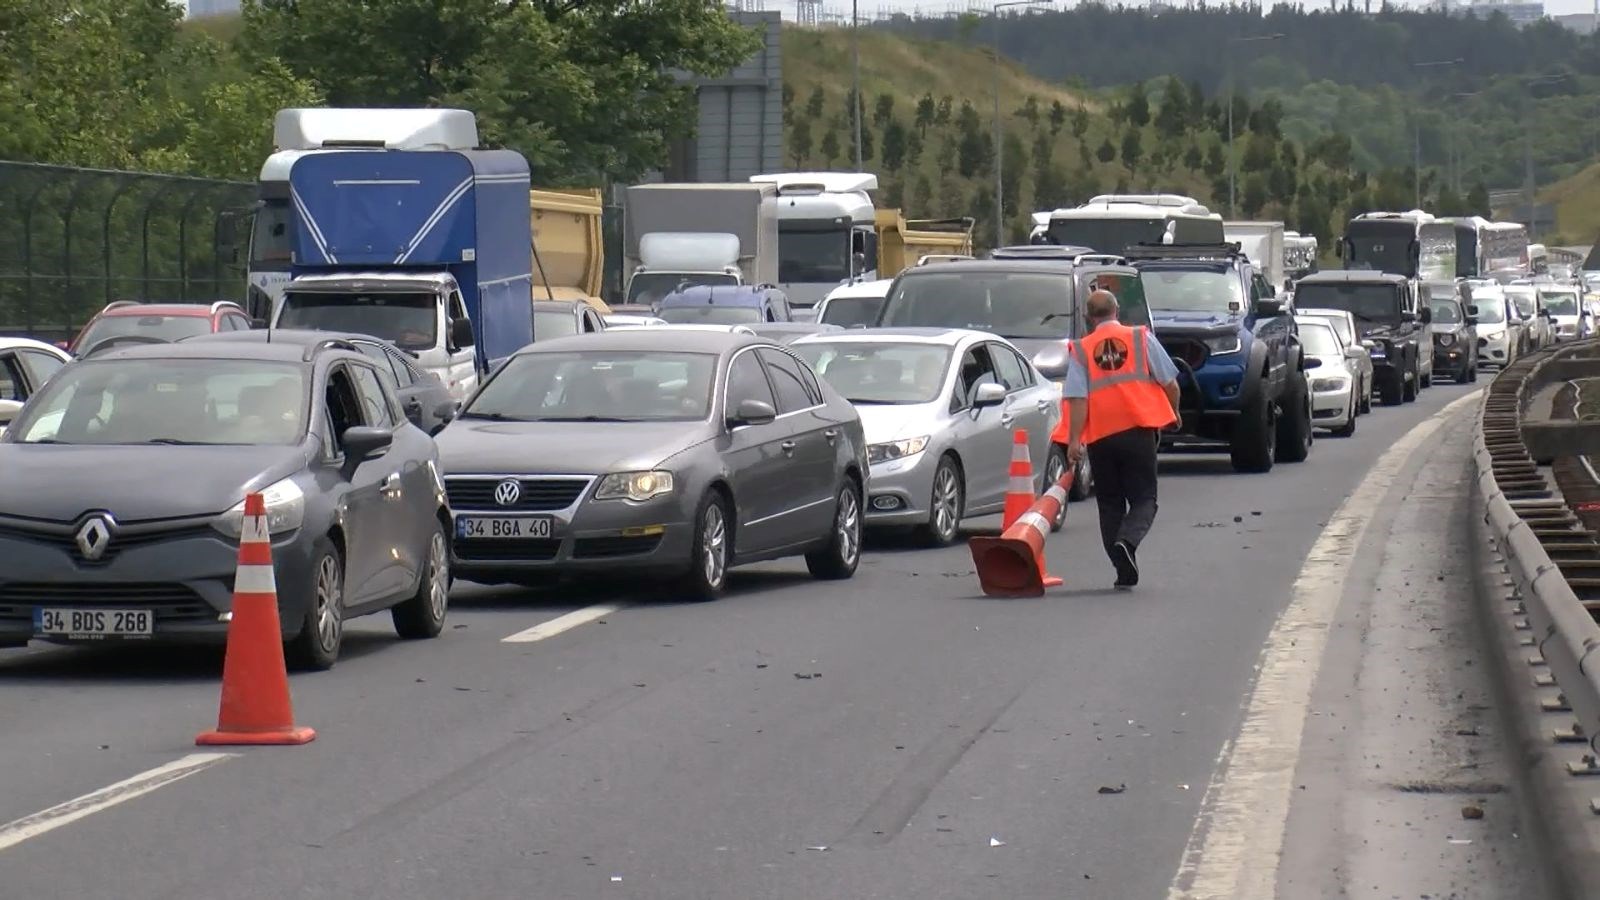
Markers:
(1019, 495)
(1012, 565)
(255, 681)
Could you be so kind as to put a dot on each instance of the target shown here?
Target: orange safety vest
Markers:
(1123, 391)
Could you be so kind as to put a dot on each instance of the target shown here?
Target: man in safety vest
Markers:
(1121, 391)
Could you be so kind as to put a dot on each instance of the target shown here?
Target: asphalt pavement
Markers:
(896, 735)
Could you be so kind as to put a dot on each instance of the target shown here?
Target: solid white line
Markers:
(1237, 840)
(562, 623)
(13, 833)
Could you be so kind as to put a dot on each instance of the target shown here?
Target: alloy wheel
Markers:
(713, 543)
(439, 585)
(946, 499)
(327, 603)
(848, 523)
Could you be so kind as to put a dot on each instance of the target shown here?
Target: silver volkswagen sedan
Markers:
(940, 406)
(625, 451)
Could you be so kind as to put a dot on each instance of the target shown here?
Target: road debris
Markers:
(1472, 811)
(996, 842)
(1113, 790)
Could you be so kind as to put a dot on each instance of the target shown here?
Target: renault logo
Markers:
(94, 536)
(507, 493)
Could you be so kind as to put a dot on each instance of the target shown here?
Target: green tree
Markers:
(941, 115)
(1011, 174)
(1132, 149)
(914, 147)
(974, 152)
(1029, 110)
(1106, 153)
(1215, 162)
(1255, 194)
(925, 113)
(1080, 122)
(894, 145)
(1478, 201)
(800, 142)
(1138, 105)
(883, 109)
(1196, 105)
(868, 146)
(830, 146)
(1260, 152)
(1193, 159)
(922, 195)
(1058, 117)
(1172, 120)
(816, 102)
(1281, 184)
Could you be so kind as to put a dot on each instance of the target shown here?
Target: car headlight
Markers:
(1444, 340)
(896, 449)
(1227, 343)
(1328, 384)
(286, 509)
(636, 486)
(1375, 349)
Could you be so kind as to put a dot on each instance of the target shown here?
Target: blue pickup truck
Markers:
(1241, 368)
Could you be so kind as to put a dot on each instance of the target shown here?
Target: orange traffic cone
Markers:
(1012, 565)
(255, 681)
(1019, 496)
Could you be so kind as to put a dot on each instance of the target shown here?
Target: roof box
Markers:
(819, 182)
(1177, 200)
(391, 129)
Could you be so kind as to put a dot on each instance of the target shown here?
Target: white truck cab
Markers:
(827, 232)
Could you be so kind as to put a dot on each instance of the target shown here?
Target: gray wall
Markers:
(739, 132)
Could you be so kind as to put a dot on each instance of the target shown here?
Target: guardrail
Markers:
(1544, 541)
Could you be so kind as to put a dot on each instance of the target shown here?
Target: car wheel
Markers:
(422, 615)
(1055, 466)
(1408, 390)
(1427, 379)
(708, 563)
(1255, 437)
(946, 503)
(1393, 389)
(1349, 427)
(316, 647)
(1472, 373)
(1294, 428)
(1364, 406)
(1082, 481)
(843, 553)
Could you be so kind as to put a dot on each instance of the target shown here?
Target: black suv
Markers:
(1241, 367)
(1381, 304)
(1034, 302)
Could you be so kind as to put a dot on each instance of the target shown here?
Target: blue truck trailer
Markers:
(428, 249)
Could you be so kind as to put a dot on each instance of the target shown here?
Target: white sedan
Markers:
(25, 365)
(1334, 376)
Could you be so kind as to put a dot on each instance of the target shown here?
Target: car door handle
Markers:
(1006, 419)
(392, 486)
(1044, 405)
(831, 434)
(788, 447)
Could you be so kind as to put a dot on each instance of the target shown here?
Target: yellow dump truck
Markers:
(903, 242)
(569, 250)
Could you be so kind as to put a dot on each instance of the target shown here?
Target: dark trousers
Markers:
(1124, 466)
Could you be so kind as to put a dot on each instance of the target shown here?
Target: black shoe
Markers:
(1127, 567)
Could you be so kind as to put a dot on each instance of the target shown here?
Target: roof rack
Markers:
(1226, 250)
(1075, 255)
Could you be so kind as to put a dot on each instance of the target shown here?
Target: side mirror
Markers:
(461, 334)
(1313, 363)
(1269, 307)
(1472, 320)
(989, 394)
(1472, 313)
(1353, 352)
(1051, 362)
(1427, 315)
(9, 410)
(362, 442)
(1407, 316)
(447, 411)
(752, 412)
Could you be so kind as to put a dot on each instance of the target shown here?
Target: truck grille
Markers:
(535, 494)
(1191, 351)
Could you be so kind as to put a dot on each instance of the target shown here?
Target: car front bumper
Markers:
(595, 536)
(1452, 358)
(1332, 408)
(185, 579)
(1494, 349)
(900, 491)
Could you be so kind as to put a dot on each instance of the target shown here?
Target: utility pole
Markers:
(855, 75)
(1232, 165)
(1527, 180)
(1416, 163)
(999, 132)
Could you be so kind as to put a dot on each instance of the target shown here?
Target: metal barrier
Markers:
(1544, 542)
(75, 239)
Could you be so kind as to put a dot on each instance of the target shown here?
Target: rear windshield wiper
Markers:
(492, 416)
(177, 442)
(581, 419)
(864, 401)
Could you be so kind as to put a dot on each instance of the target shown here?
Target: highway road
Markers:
(1289, 682)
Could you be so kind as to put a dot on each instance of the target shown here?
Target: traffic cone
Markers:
(255, 682)
(1019, 496)
(1013, 565)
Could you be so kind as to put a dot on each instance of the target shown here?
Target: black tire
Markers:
(1349, 428)
(948, 480)
(1426, 380)
(1393, 389)
(1255, 438)
(712, 550)
(1294, 427)
(1082, 481)
(1364, 404)
(1055, 465)
(316, 647)
(839, 559)
(1408, 389)
(1472, 372)
(422, 615)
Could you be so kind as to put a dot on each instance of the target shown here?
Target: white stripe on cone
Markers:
(254, 580)
(1057, 494)
(1021, 484)
(254, 531)
(1037, 521)
(1019, 452)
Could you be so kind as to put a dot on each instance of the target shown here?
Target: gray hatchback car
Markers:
(122, 505)
(626, 451)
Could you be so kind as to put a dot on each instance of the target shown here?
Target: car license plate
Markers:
(503, 527)
(93, 623)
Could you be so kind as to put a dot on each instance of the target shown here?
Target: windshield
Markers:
(407, 320)
(167, 328)
(813, 255)
(1561, 303)
(1318, 339)
(1010, 304)
(1382, 247)
(1370, 302)
(847, 312)
(647, 288)
(167, 401)
(1445, 313)
(270, 243)
(1213, 291)
(1526, 304)
(710, 315)
(1491, 308)
(1107, 235)
(1339, 323)
(598, 385)
(553, 323)
(890, 373)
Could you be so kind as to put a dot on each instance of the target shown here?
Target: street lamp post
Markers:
(999, 147)
(855, 76)
(1232, 176)
(1416, 123)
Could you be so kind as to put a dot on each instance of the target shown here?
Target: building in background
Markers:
(1519, 13)
(739, 127)
(198, 8)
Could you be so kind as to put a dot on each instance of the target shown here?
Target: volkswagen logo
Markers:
(94, 536)
(507, 493)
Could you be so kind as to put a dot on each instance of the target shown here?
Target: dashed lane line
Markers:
(560, 624)
(1237, 841)
(14, 833)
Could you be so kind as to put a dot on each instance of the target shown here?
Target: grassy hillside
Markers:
(1577, 200)
(944, 167)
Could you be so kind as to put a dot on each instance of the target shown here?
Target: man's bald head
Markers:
(1102, 306)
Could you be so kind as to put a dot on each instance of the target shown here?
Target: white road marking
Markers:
(1237, 841)
(560, 624)
(13, 833)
